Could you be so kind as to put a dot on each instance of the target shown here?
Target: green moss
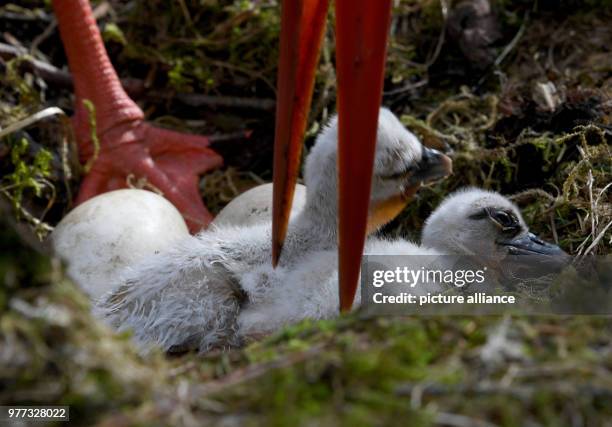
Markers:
(56, 353)
(112, 32)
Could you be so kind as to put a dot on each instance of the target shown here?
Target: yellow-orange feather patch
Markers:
(384, 211)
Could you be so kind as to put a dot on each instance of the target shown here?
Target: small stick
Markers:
(135, 87)
(47, 112)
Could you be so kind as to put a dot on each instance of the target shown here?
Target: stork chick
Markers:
(190, 296)
(470, 222)
(487, 225)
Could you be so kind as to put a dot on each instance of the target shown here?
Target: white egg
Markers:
(255, 206)
(109, 232)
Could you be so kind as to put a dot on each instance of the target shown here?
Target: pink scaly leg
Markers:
(170, 161)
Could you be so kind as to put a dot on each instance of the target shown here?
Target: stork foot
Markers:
(164, 160)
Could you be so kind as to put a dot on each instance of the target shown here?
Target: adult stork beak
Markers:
(302, 28)
(362, 27)
(361, 38)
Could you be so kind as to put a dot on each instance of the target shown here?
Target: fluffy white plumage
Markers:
(311, 289)
(202, 292)
(450, 230)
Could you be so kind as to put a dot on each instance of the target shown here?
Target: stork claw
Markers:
(168, 161)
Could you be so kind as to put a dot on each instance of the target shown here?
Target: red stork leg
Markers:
(170, 161)
(361, 38)
(302, 27)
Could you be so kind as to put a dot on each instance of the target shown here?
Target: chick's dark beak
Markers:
(433, 166)
(532, 249)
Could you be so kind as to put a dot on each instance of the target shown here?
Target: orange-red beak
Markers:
(361, 37)
(302, 28)
(361, 40)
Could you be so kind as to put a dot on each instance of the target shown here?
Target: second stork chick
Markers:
(479, 226)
